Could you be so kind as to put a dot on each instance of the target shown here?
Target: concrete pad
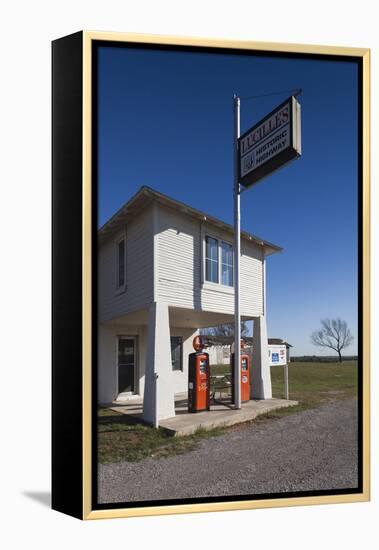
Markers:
(221, 413)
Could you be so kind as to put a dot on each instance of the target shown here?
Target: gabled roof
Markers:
(279, 342)
(146, 195)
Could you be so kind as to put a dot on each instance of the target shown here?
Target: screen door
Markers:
(126, 364)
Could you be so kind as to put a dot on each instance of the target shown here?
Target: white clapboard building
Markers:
(165, 270)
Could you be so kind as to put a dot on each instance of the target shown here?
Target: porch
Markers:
(221, 413)
(145, 354)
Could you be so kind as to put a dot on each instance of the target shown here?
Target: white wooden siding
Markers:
(252, 258)
(139, 269)
(180, 267)
(178, 259)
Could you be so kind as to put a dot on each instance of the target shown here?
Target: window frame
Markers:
(222, 241)
(181, 354)
(120, 288)
(219, 241)
(217, 262)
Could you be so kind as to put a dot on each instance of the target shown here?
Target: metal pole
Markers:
(286, 381)
(156, 420)
(237, 255)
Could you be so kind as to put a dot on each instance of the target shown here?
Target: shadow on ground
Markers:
(42, 497)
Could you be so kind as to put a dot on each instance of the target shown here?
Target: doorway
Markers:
(126, 360)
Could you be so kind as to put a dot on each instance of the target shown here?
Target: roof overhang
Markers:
(146, 195)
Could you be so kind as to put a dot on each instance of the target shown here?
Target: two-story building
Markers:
(165, 270)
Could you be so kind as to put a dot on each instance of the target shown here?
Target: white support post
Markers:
(158, 400)
(237, 256)
(261, 374)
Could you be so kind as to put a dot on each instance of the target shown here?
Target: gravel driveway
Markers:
(310, 450)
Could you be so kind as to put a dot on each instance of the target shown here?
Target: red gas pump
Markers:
(245, 375)
(198, 378)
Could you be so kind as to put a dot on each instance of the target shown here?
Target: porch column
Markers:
(261, 376)
(158, 400)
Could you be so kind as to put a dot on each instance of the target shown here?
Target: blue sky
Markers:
(165, 119)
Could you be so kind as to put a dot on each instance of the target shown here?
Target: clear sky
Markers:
(165, 119)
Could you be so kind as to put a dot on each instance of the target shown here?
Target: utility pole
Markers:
(237, 256)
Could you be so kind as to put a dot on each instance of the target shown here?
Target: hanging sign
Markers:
(271, 143)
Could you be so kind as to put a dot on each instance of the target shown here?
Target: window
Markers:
(177, 352)
(120, 284)
(226, 264)
(211, 259)
(216, 270)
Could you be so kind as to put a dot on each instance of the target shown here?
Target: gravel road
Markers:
(306, 451)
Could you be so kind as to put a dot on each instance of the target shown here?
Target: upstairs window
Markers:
(218, 261)
(121, 265)
(211, 259)
(226, 264)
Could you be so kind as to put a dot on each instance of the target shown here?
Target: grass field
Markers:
(120, 438)
(312, 384)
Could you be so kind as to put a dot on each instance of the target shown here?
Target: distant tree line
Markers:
(321, 358)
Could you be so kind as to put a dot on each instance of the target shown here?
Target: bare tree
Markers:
(225, 330)
(334, 334)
